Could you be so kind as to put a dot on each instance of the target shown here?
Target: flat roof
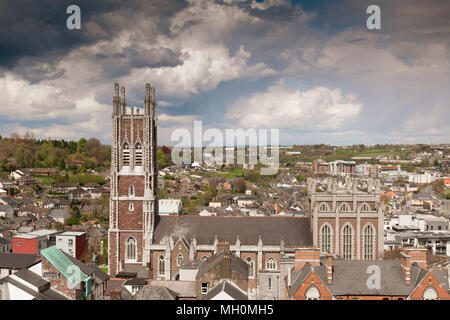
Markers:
(43, 232)
(26, 236)
(71, 233)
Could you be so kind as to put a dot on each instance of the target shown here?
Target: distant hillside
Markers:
(77, 156)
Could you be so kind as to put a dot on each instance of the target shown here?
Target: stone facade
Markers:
(347, 212)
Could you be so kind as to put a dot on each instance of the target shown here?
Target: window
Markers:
(161, 265)
(131, 207)
(270, 284)
(430, 294)
(50, 275)
(325, 238)
(344, 207)
(131, 191)
(251, 267)
(18, 243)
(347, 242)
(70, 242)
(204, 288)
(312, 293)
(204, 258)
(271, 264)
(138, 155)
(126, 155)
(324, 207)
(365, 207)
(368, 235)
(179, 259)
(131, 249)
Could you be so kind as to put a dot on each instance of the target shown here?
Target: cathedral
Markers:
(139, 240)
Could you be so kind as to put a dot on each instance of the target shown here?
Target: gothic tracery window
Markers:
(325, 238)
(161, 265)
(368, 234)
(271, 264)
(312, 293)
(347, 242)
(131, 249)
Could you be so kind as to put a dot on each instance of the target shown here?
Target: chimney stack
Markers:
(329, 269)
(418, 255)
(223, 246)
(304, 255)
(406, 266)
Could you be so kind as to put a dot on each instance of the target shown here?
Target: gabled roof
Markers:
(237, 264)
(392, 280)
(228, 288)
(64, 265)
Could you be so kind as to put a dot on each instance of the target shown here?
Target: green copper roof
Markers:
(66, 267)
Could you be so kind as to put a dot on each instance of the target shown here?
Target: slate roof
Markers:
(18, 261)
(228, 288)
(155, 293)
(237, 264)
(294, 231)
(57, 213)
(33, 278)
(392, 278)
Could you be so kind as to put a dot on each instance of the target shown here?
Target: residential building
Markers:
(73, 243)
(170, 206)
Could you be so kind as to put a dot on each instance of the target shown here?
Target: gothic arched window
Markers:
(368, 234)
(161, 265)
(251, 267)
(365, 207)
(347, 242)
(312, 293)
(344, 207)
(271, 264)
(131, 249)
(325, 237)
(126, 155)
(430, 294)
(179, 259)
(324, 207)
(138, 155)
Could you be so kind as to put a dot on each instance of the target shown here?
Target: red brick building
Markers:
(316, 277)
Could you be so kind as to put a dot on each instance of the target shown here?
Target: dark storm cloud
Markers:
(38, 28)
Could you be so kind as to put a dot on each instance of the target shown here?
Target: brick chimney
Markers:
(418, 255)
(223, 246)
(406, 266)
(329, 269)
(304, 255)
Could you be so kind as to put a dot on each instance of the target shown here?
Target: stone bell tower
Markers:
(133, 180)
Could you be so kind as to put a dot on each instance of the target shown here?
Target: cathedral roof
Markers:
(294, 231)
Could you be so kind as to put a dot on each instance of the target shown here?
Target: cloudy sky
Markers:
(310, 68)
